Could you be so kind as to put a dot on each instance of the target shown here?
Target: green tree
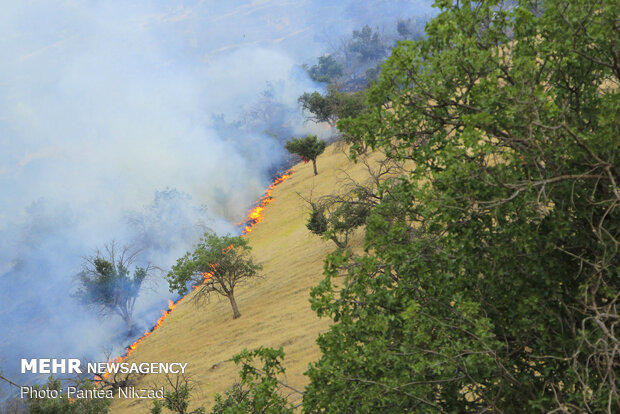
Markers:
(308, 148)
(64, 405)
(336, 217)
(372, 74)
(107, 284)
(218, 264)
(258, 391)
(367, 45)
(490, 276)
(332, 106)
(326, 70)
(318, 108)
(347, 104)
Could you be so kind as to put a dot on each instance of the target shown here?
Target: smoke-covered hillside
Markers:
(144, 123)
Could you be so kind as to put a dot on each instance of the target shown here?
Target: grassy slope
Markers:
(275, 309)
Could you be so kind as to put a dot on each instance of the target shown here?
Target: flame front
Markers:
(255, 216)
(129, 350)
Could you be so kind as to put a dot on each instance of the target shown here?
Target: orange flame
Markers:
(205, 277)
(129, 350)
(253, 218)
(256, 214)
(208, 275)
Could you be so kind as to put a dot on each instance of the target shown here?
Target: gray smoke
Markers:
(143, 122)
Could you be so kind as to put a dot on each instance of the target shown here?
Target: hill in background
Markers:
(275, 308)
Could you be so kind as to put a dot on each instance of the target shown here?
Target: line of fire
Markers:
(254, 217)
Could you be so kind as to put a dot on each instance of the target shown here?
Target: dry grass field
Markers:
(275, 308)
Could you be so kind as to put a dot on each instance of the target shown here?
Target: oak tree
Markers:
(308, 148)
(326, 70)
(332, 106)
(489, 277)
(218, 264)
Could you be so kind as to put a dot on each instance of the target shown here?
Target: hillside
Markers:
(275, 308)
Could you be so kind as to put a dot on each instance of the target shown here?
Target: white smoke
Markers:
(106, 106)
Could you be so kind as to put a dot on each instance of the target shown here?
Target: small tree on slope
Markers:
(309, 148)
(217, 264)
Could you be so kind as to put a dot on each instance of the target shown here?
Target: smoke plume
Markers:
(142, 122)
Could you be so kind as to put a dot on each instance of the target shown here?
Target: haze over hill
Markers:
(133, 122)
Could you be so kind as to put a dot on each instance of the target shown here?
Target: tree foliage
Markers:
(332, 106)
(107, 284)
(367, 45)
(258, 391)
(319, 108)
(490, 278)
(337, 220)
(218, 264)
(309, 148)
(326, 70)
(336, 217)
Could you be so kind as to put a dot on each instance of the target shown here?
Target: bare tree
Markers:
(178, 399)
(337, 216)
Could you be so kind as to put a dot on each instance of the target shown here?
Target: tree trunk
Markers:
(235, 308)
(127, 318)
(131, 326)
(314, 166)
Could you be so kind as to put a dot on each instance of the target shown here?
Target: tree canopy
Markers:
(257, 392)
(490, 278)
(107, 284)
(326, 70)
(332, 106)
(367, 45)
(218, 264)
(309, 148)
(319, 108)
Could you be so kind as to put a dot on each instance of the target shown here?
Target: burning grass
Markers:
(254, 217)
(277, 312)
(256, 214)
